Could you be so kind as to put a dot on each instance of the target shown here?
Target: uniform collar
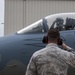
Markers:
(52, 44)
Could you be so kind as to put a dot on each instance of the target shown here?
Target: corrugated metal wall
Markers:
(14, 13)
(21, 13)
(38, 9)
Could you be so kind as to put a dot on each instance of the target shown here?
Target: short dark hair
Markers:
(53, 33)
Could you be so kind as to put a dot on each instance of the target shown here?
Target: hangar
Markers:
(21, 13)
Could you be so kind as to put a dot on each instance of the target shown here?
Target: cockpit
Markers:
(37, 27)
(61, 26)
(62, 22)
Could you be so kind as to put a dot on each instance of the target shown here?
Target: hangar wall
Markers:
(21, 13)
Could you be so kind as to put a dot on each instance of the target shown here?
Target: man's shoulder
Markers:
(64, 52)
(39, 52)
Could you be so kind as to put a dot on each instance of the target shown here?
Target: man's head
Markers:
(53, 36)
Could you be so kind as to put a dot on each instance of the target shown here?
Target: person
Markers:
(59, 24)
(51, 60)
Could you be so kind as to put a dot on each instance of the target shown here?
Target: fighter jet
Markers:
(16, 49)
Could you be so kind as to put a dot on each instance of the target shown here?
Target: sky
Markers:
(1, 17)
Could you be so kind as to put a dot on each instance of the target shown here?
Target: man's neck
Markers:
(52, 42)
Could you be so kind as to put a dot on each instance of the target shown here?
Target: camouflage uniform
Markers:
(50, 60)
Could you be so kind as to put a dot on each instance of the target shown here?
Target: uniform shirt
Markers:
(50, 60)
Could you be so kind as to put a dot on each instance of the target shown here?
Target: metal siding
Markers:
(13, 16)
(21, 13)
(36, 10)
